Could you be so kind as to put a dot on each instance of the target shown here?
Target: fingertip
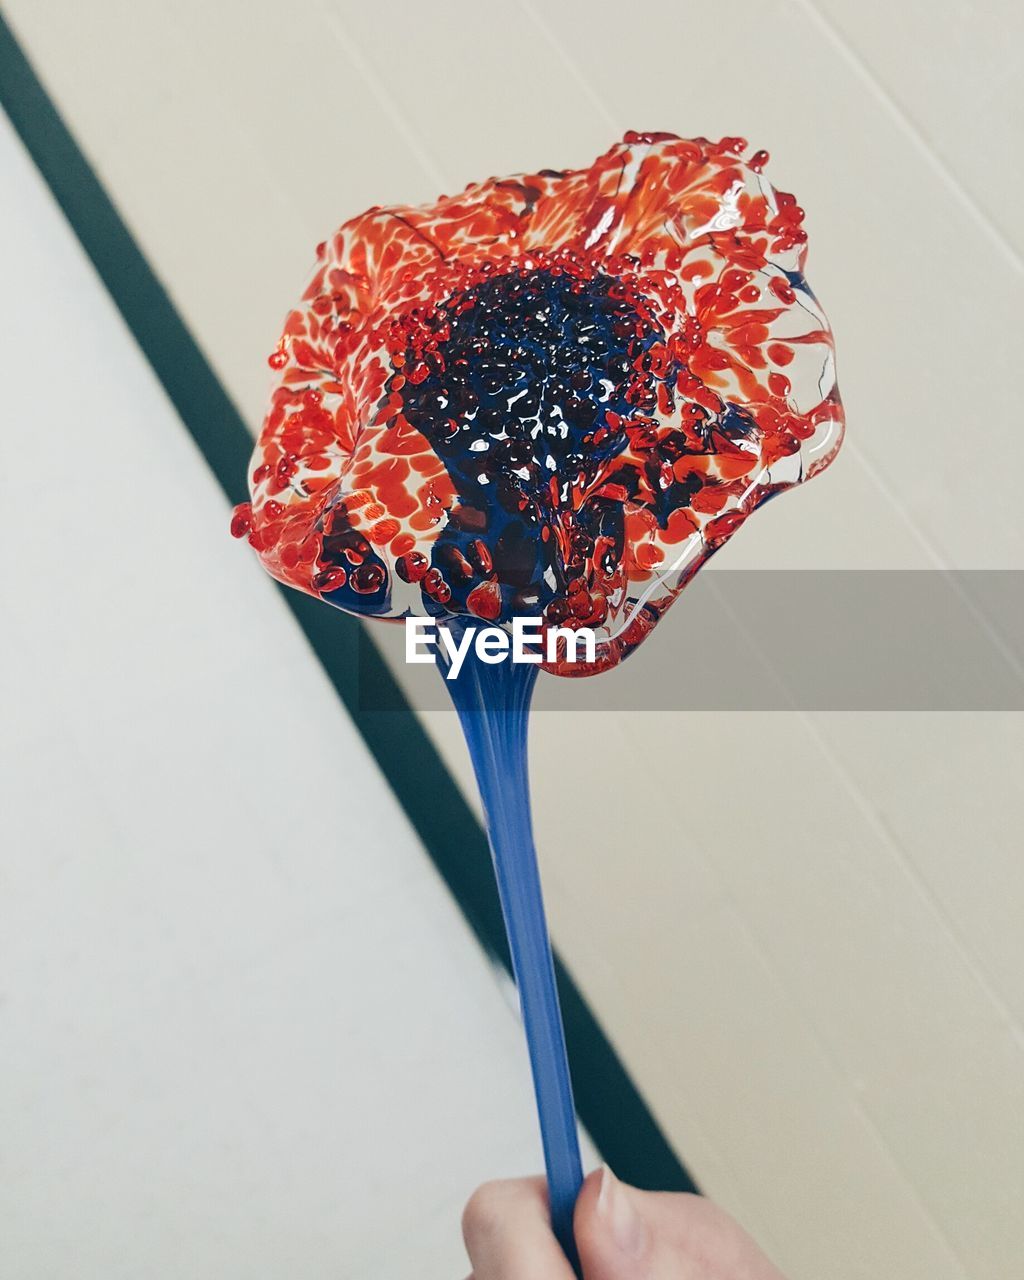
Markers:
(611, 1234)
(586, 1201)
(489, 1207)
(506, 1227)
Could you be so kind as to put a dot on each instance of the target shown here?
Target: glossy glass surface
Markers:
(552, 395)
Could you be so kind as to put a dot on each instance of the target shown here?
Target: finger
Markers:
(612, 1234)
(507, 1230)
(626, 1234)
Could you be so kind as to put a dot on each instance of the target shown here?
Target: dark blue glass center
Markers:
(514, 391)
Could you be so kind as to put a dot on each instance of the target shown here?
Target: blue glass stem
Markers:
(493, 703)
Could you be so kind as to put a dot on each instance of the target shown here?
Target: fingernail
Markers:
(616, 1211)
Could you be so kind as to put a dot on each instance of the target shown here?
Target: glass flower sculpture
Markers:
(550, 396)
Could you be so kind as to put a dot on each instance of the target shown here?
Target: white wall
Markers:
(826, 1014)
(245, 1029)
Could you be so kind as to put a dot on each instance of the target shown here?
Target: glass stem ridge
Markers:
(493, 703)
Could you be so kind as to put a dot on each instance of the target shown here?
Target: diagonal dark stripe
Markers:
(607, 1100)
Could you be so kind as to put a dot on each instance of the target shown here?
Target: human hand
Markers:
(621, 1234)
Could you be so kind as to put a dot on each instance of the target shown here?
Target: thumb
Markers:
(626, 1234)
(613, 1239)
